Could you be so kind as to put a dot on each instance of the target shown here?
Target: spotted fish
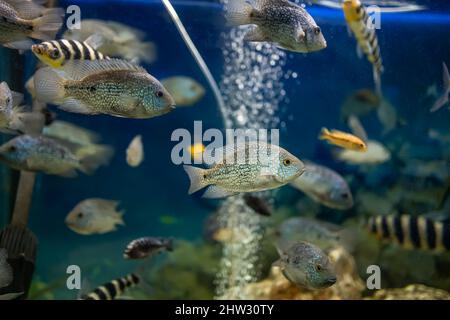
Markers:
(412, 232)
(113, 289)
(358, 21)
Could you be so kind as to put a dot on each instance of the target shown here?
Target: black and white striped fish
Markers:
(358, 20)
(58, 52)
(412, 232)
(143, 247)
(113, 289)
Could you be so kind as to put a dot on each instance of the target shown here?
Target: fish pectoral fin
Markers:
(278, 263)
(299, 33)
(76, 106)
(215, 192)
(129, 101)
(70, 173)
(255, 35)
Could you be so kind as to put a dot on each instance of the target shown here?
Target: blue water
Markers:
(413, 46)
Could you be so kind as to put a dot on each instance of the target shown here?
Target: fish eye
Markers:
(54, 54)
(319, 267)
(80, 215)
(287, 162)
(8, 100)
(344, 195)
(12, 149)
(159, 94)
(317, 30)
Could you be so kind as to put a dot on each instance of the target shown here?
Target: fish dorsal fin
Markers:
(27, 9)
(17, 98)
(357, 128)
(95, 41)
(77, 70)
(446, 77)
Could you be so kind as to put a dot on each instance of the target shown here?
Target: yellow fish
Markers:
(358, 22)
(196, 151)
(343, 140)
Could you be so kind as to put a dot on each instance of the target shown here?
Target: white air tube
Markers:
(197, 56)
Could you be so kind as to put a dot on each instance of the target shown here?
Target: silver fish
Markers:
(307, 266)
(118, 40)
(95, 216)
(113, 87)
(322, 234)
(279, 21)
(42, 154)
(186, 91)
(22, 20)
(246, 167)
(325, 186)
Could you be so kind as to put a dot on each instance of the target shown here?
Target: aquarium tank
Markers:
(224, 150)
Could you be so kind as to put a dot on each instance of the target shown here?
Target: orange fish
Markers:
(342, 139)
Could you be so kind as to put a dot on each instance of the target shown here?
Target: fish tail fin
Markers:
(170, 244)
(142, 51)
(445, 77)
(238, 12)
(47, 26)
(90, 161)
(324, 133)
(27, 122)
(196, 178)
(49, 86)
(377, 80)
(348, 238)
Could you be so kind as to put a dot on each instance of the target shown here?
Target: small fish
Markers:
(69, 132)
(412, 232)
(56, 53)
(42, 154)
(387, 115)
(21, 21)
(168, 220)
(144, 247)
(443, 99)
(196, 151)
(442, 137)
(438, 169)
(113, 87)
(324, 186)
(376, 154)
(135, 152)
(360, 24)
(95, 216)
(118, 40)
(307, 266)
(344, 140)
(6, 272)
(282, 22)
(322, 234)
(247, 167)
(113, 289)
(258, 204)
(186, 91)
(360, 103)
